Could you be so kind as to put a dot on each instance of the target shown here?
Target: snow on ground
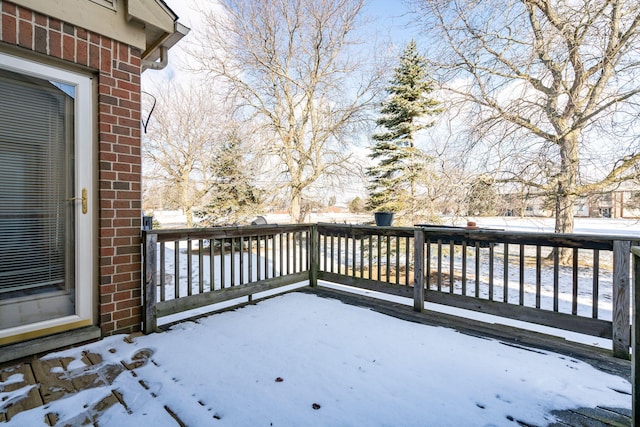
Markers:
(299, 359)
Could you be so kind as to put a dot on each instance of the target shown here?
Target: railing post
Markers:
(150, 273)
(418, 270)
(621, 299)
(314, 247)
(635, 337)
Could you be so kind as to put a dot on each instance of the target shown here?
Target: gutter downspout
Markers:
(157, 65)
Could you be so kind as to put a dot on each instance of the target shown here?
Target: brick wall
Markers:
(117, 67)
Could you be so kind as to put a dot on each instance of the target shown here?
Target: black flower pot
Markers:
(383, 218)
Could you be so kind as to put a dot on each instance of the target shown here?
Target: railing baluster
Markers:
(505, 277)
(189, 268)
(452, 252)
(201, 266)
(407, 244)
(595, 298)
(258, 255)
(163, 271)
(339, 260)
(281, 248)
(233, 262)
(491, 255)
(332, 253)
(346, 254)
(464, 267)
(370, 257)
(388, 269)
(439, 265)
(574, 298)
(301, 256)
(241, 260)
(353, 257)
(212, 266)
(250, 259)
(379, 258)
(428, 265)
(521, 299)
(397, 254)
(361, 256)
(176, 269)
(538, 275)
(274, 254)
(477, 269)
(289, 252)
(223, 263)
(556, 277)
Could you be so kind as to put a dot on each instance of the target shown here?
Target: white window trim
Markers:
(84, 178)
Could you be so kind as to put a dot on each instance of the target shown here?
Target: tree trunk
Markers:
(566, 191)
(295, 209)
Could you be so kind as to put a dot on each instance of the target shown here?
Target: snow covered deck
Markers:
(319, 357)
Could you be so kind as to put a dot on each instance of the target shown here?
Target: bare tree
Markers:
(550, 87)
(297, 75)
(180, 145)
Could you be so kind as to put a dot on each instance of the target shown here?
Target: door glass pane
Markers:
(36, 211)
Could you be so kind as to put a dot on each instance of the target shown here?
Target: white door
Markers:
(46, 243)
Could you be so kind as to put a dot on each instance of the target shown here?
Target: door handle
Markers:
(84, 199)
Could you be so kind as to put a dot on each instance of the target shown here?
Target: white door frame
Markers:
(84, 178)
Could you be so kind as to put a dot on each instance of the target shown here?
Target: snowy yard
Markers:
(299, 359)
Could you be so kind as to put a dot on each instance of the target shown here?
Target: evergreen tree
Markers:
(394, 180)
(234, 199)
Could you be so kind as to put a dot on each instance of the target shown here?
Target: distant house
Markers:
(621, 201)
(70, 193)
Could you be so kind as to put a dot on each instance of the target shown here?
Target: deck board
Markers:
(63, 380)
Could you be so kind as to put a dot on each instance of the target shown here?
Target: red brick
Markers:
(122, 112)
(25, 34)
(119, 93)
(130, 286)
(105, 60)
(120, 296)
(132, 324)
(121, 167)
(123, 121)
(128, 86)
(127, 304)
(41, 20)
(25, 14)
(94, 56)
(107, 289)
(82, 53)
(122, 314)
(123, 52)
(106, 326)
(121, 75)
(54, 24)
(132, 160)
(68, 47)
(9, 28)
(55, 44)
(9, 8)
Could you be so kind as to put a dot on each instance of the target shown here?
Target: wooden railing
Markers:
(188, 269)
(514, 275)
(635, 320)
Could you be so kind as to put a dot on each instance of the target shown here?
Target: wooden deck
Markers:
(598, 358)
(56, 378)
